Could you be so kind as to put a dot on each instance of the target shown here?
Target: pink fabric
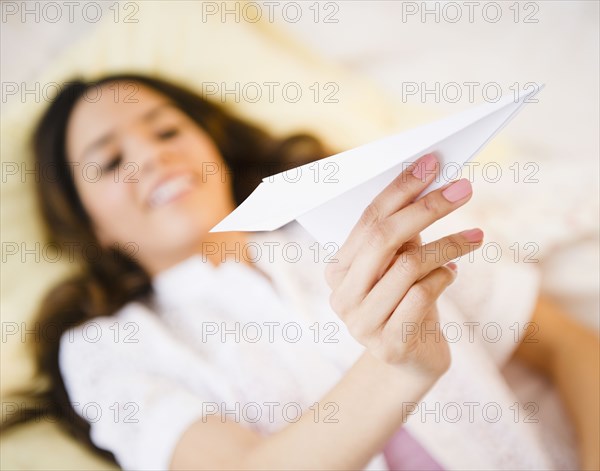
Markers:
(404, 453)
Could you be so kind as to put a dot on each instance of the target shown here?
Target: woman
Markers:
(168, 167)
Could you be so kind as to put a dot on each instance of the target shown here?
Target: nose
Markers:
(145, 152)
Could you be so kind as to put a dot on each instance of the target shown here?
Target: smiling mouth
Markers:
(171, 190)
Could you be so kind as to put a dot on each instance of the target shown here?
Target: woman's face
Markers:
(152, 181)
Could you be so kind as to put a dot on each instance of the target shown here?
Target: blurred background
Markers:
(397, 43)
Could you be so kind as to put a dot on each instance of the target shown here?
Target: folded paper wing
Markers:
(328, 196)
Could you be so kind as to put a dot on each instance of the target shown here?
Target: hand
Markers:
(386, 283)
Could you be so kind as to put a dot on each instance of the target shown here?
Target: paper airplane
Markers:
(328, 196)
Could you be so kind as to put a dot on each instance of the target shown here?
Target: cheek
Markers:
(216, 179)
(111, 206)
(203, 154)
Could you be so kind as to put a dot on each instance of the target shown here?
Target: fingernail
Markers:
(425, 166)
(458, 190)
(453, 266)
(472, 235)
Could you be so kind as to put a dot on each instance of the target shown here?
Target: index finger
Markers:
(399, 193)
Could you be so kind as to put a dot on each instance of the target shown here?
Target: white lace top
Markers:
(225, 341)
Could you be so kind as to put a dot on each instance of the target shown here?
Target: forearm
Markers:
(576, 373)
(569, 354)
(372, 401)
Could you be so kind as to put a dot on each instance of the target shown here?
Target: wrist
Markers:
(403, 378)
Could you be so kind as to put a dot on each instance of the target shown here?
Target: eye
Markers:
(113, 163)
(167, 134)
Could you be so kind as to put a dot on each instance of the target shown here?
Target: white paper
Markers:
(328, 196)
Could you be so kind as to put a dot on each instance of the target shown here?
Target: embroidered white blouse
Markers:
(227, 341)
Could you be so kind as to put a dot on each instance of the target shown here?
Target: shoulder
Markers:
(137, 386)
(128, 333)
(101, 330)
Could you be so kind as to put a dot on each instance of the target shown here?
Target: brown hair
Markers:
(108, 282)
